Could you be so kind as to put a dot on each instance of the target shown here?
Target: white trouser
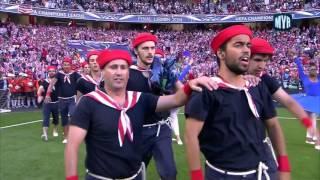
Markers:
(313, 117)
(175, 121)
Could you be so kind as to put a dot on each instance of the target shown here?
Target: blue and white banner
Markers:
(84, 46)
(161, 18)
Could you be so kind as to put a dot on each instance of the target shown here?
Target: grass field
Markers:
(24, 156)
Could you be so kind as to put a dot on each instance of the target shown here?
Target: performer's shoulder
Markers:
(266, 76)
(206, 93)
(134, 70)
(82, 78)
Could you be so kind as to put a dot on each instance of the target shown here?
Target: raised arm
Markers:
(286, 100)
(300, 68)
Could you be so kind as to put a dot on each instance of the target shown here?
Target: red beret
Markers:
(107, 56)
(261, 46)
(49, 68)
(143, 37)
(83, 64)
(93, 52)
(67, 59)
(160, 52)
(227, 33)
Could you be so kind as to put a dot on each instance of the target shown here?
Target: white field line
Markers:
(279, 117)
(31, 122)
(20, 124)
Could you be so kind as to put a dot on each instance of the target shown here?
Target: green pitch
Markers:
(24, 156)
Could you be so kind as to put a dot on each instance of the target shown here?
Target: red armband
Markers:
(72, 178)
(187, 89)
(307, 122)
(196, 175)
(284, 164)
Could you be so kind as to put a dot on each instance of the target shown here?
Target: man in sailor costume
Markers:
(88, 83)
(261, 54)
(228, 124)
(65, 81)
(110, 120)
(49, 107)
(157, 133)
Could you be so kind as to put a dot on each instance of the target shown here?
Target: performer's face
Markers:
(51, 73)
(86, 69)
(257, 64)
(116, 74)
(93, 63)
(313, 71)
(237, 53)
(145, 52)
(66, 66)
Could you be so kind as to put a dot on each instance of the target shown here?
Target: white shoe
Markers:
(55, 133)
(309, 140)
(179, 142)
(317, 147)
(64, 141)
(44, 137)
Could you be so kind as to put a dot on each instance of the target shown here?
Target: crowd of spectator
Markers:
(32, 48)
(29, 49)
(50, 4)
(174, 6)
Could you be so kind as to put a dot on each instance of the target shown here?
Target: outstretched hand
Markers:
(204, 81)
(47, 99)
(253, 80)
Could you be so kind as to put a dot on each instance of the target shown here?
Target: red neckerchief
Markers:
(91, 80)
(124, 125)
(66, 76)
(224, 84)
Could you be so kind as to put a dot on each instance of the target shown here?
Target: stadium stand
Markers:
(31, 48)
(175, 6)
